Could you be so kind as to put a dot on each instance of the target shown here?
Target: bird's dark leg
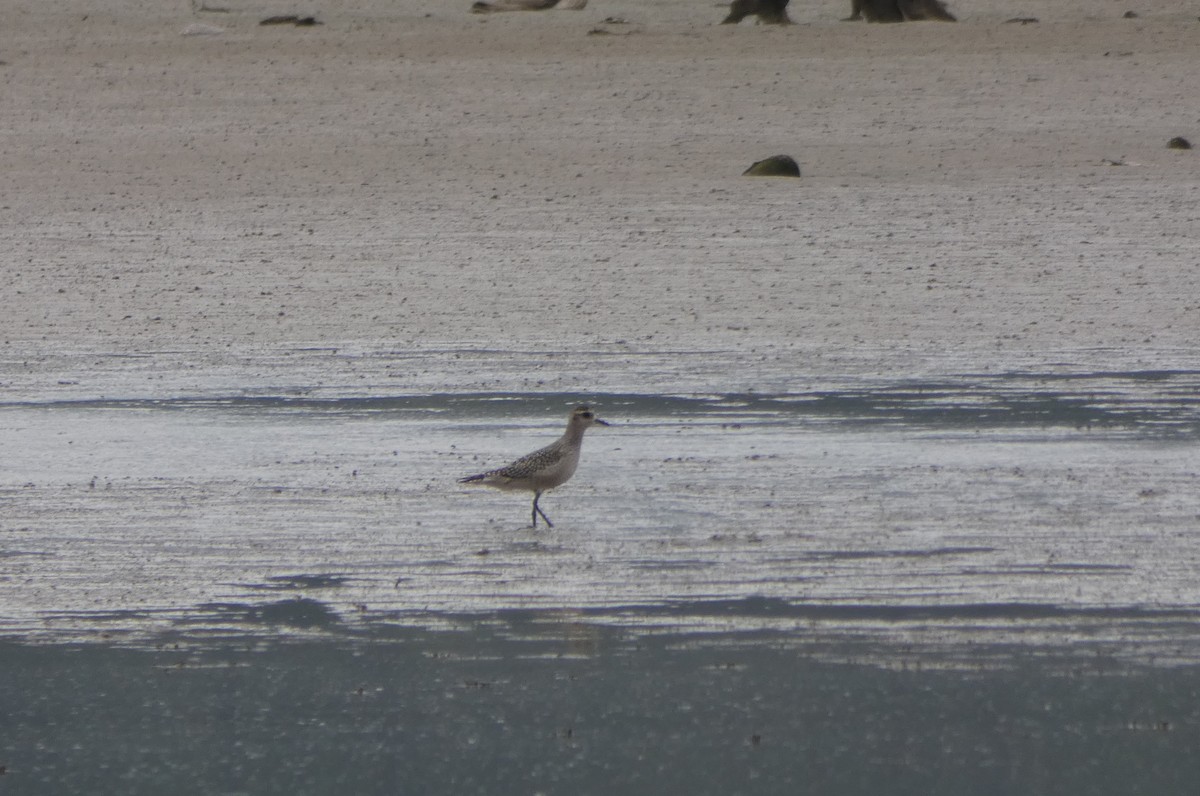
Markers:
(537, 511)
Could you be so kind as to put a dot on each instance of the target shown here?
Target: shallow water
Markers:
(502, 705)
(260, 575)
(946, 516)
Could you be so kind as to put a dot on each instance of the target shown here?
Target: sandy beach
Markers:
(408, 173)
(901, 488)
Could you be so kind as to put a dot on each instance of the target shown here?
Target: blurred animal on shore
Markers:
(898, 11)
(769, 12)
(527, 5)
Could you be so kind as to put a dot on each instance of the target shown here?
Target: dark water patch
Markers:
(936, 552)
(300, 613)
(121, 618)
(1051, 569)
(457, 406)
(972, 408)
(468, 711)
(299, 582)
(1186, 375)
(756, 607)
(844, 619)
(1160, 402)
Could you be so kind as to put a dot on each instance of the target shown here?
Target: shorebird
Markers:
(545, 468)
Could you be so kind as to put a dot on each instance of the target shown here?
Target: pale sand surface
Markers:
(409, 175)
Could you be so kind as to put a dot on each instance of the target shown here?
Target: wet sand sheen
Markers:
(1042, 511)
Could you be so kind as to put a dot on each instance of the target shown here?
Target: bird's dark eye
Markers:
(588, 415)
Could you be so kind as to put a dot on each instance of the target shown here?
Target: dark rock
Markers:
(290, 19)
(899, 11)
(769, 12)
(774, 166)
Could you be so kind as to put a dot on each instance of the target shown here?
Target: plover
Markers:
(546, 468)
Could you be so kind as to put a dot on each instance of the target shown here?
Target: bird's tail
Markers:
(472, 479)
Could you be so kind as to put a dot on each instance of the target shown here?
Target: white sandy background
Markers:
(409, 174)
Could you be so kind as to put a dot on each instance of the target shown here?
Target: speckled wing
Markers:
(533, 463)
(525, 467)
